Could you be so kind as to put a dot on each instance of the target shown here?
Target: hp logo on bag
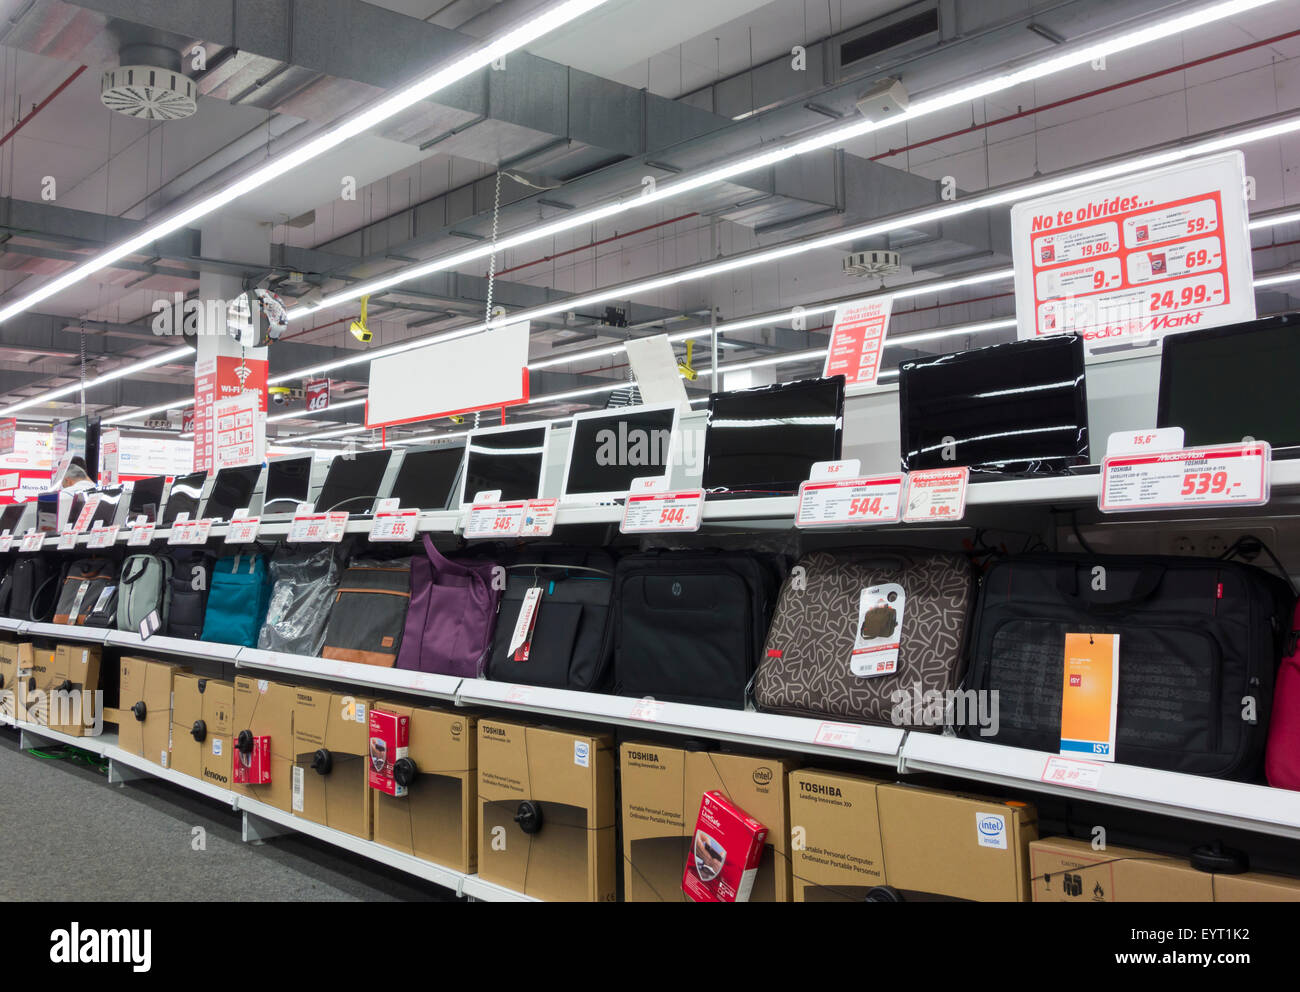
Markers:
(677, 588)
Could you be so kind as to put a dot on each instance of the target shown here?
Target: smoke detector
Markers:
(148, 92)
(872, 263)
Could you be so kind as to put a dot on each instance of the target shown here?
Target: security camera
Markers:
(279, 394)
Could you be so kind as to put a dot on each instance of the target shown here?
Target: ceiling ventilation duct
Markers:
(149, 84)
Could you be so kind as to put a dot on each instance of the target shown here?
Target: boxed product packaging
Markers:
(34, 685)
(145, 702)
(15, 657)
(77, 693)
(837, 855)
(330, 738)
(661, 788)
(1064, 869)
(251, 760)
(949, 845)
(1256, 886)
(437, 819)
(389, 768)
(202, 712)
(726, 848)
(264, 717)
(546, 811)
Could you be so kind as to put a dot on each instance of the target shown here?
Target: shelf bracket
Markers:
(257, 831)
(120, 774)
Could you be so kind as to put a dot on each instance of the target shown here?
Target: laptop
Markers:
(609, 449)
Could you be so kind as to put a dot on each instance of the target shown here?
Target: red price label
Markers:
(654, 513)
(873, 500)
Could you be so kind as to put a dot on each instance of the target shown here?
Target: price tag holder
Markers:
(678, 512)
(178, 529)
(851, 502)
(394, 525)
(837, 734)
(539, 518)
(646, 709)
(102, 537)
(1073, 773)
(67, 540)
(200, 530)
(33, 540)
(1194, 478)
(141, 533)
(326, 528)
(6, 541)
(82, 523)
(242, 529)
(495, 520)
(936, 495)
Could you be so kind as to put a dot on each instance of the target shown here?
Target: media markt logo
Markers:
(77, 946)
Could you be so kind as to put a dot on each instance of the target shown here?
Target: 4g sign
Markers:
(317, 394)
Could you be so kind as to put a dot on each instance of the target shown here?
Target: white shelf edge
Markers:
(211, 650)
(442, 687)
(1257, 808)
(65, 631)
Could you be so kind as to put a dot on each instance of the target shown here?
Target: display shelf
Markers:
(824, 737)
(65, 632)
(9, 626)
(370, 676)
(458, 882)
(1256, 808)
(158, 644)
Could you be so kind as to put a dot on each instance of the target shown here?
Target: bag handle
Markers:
(142, 561)
(443, 565)
(1067, 584)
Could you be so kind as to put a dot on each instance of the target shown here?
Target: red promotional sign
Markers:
(217, 379)
(8, 435)
(857, 340)
(318, 394)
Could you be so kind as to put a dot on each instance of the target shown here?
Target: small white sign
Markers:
(102, 537)
(141, 533)
(1072, 773)
(33, 541)
(6, 541)
(310, 528)
(936, 495)
(991, 830)
(837, 734)
(659, 513)
(847, 468)
(1152, 439)
(646, 709)
(539, 518)
(67, 540)
(851, 502)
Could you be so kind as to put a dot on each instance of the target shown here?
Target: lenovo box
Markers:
(390, 769)
(948, 845)
(14, 658)
(34, 686)
(1068, 870)
(437, 819)
(144, 721)
(330, 739)
(726, 849)
(661, 789)
(265, 710)
(202, 714)
(1256, 887)
(546, 811)
(837, 854)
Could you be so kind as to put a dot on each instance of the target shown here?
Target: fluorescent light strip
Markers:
(1274, 220)
(118, 373)
(835, 135)
(1277, 279)
(320, 435)
(462, 67)
(300, 414)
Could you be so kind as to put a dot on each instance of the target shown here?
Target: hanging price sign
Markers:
(1225, 475)
(851, 502)
(661, 513)
(327, 528)
(495, 519)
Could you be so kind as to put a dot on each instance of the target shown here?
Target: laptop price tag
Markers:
(394, 525)
(680, 511)
(1221, 475)
(102, 537)
(243, 530)
(539, 518)
(141, 533)
(6, 541)
(33, 541)
(67, 540)
(851, 502)
(936, 495)
(311, 528)
(495, 520)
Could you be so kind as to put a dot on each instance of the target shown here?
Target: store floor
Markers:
(79, 838)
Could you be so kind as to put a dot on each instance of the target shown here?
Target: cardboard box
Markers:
(661, 789)
(202, 714)
(76, 708)
(15, 657)
(329, 783)
(955, 846)
(1064, 869)
(437, 819)
(34, 685)
(1256, 887)
(546, 811)
(144, 720)
(265, 709)
(839, 856)
(726, 849)
(390, 736)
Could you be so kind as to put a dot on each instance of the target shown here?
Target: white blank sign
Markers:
(478, 372)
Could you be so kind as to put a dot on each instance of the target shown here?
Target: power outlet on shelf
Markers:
(1212, 542)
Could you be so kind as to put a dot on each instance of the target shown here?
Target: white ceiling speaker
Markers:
(886, 99)
(872, 263)
(148, 92)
